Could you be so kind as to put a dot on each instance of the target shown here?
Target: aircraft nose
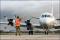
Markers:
(49, 22)
(46, 22)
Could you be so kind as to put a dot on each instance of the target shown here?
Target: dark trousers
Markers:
(30, 32)
(17, 30)
(46, 31)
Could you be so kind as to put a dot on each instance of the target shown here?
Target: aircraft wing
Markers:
(57, 19)
(32, 24)
(3, 22)
(14, 23)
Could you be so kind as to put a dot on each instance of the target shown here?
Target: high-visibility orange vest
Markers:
(18, 21)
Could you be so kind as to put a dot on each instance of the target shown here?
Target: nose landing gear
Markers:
(46, 32)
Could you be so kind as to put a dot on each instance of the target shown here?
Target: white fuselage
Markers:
(47, 19)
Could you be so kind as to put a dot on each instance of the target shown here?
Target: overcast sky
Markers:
(28, 8)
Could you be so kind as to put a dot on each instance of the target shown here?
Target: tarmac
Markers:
(24, 35)
(30, 37)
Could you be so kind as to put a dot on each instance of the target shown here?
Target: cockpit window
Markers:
(46, 16)
(43, 15)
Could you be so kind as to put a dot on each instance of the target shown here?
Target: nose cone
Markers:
(43, 20)
(47, 21)
(50, 22)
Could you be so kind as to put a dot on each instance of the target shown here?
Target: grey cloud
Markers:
(28, 8)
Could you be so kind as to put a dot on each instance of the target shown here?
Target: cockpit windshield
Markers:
(46, 16)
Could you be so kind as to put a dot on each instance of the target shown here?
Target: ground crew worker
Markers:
(18, 24)
(29, 27)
